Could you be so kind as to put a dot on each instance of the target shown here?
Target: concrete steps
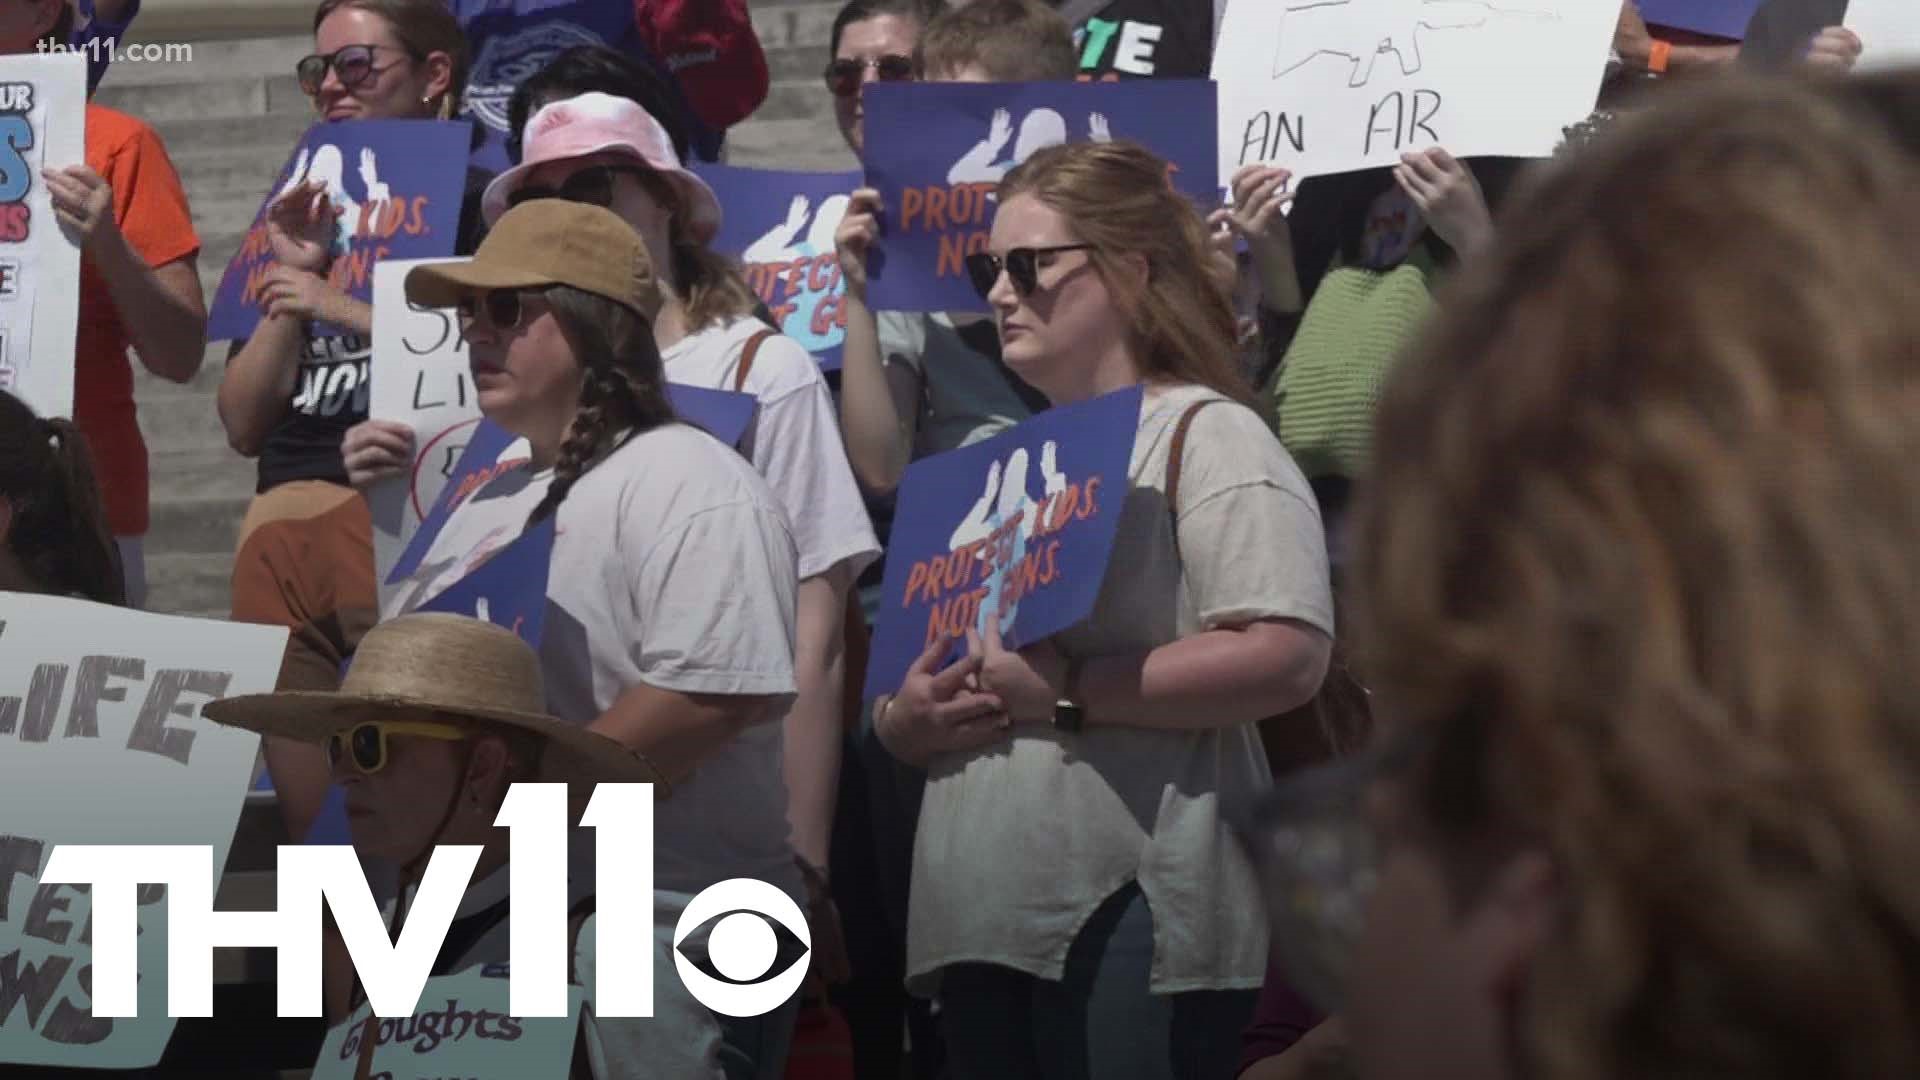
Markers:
(228, 118)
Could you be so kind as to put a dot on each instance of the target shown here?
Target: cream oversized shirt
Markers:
(1020, 841)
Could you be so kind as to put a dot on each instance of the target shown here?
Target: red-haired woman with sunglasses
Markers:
(290, 392)
(1077, 900)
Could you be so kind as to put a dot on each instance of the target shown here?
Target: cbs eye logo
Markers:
(743, 947)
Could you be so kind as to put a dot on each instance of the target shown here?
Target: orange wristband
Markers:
(1658, 56)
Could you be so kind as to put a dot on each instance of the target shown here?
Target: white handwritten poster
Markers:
(102, 742)
(1328, 86)
(1889, 33)
(43, 100)
(420, 379)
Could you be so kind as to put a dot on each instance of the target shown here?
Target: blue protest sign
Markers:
(780, 226)
(1031, 548)
(510, 588)
(402, 202)
(936, 153)
(1721, 18)
(725, 415)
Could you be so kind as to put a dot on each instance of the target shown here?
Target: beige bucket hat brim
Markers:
(443, 285)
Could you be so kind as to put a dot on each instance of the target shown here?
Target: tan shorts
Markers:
(306, 563)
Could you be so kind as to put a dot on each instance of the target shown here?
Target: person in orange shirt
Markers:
(139, 283)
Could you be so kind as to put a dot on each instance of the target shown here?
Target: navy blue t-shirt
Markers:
(513, 39)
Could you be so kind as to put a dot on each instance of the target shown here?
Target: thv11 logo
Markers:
(393, 973)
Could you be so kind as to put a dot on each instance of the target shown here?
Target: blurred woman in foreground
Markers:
(1636, 587)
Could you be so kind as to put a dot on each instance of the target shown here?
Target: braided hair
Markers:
(625, 391)
(58, 530)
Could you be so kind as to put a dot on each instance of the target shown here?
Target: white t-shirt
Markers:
(795, 442)
(672, 566)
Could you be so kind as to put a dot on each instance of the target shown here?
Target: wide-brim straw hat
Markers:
(458, 668)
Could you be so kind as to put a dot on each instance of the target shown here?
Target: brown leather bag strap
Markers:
(1176, 454)
(747, 354)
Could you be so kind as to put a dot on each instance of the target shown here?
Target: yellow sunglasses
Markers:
(366, 743)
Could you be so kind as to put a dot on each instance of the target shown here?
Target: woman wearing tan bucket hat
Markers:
(608, 151)
(670, 624)
(437, 717)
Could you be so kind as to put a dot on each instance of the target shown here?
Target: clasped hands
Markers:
(973, 701)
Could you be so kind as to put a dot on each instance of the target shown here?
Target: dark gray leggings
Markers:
(1099, 1021)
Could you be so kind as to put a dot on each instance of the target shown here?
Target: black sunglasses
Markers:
(592, 185)
(1021, 264)
(504, 307)
(843, 76)
(352, 65)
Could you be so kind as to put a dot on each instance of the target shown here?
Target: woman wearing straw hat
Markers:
(671, 607)
(436, 719)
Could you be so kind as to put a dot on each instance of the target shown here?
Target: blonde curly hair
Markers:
(1641, 549)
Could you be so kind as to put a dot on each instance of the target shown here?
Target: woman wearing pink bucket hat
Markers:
(584, 149)
(595, 124)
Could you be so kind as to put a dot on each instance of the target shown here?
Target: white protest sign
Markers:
(1328, 86)
(43, 115)
(462, 1029)
(420, 379)
(1889, 32)
(102, 742)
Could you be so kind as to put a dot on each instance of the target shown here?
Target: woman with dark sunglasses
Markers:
(1078, 904)
(606, 151)
(290, 392)
(673, 610)
(872, 40)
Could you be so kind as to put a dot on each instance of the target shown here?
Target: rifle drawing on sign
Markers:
(1394, 27)
(1330, 86)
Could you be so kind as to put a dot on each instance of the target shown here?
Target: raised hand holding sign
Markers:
(411, 176)
(936, 152)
